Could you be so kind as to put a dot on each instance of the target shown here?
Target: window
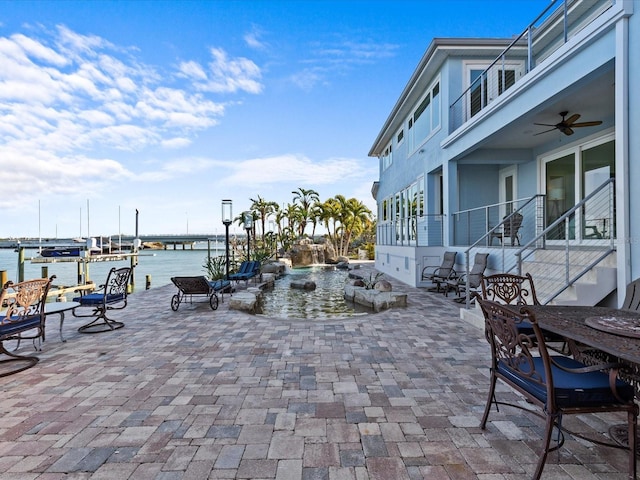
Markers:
(487, 84)
(387, 157)
(400, 136)
(425, 118)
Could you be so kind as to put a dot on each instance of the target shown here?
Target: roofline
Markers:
(438, 43)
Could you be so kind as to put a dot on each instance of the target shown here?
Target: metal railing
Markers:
(558, 22)
(418, 231)
(484, 226)
(576, 242)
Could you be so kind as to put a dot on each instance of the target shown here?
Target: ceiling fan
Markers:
(567, 125)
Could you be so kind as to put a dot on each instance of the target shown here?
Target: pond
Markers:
(325, 302)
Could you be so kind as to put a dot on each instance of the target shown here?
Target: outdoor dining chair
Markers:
(23, 318)
(509, 289)
(110, 296)
(557, 384)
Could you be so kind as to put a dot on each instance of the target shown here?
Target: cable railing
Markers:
(558, 22)
(571, 246)
(505, 224)
(416, 230)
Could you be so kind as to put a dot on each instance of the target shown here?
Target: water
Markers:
(160, 264)
(325, 302)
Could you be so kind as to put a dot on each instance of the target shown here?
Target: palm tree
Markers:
(356, 218)
(305, 199)
(262, 210)
(330, 212)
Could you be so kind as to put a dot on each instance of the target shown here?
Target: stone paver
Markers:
(199, 394)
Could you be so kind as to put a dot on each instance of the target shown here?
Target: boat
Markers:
(61, 251)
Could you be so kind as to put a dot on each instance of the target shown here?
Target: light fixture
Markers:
(227, 218)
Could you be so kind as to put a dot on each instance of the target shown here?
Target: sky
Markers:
(168, 107)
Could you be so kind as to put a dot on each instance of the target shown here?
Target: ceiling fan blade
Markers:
(587, 124)
(569, 121)
(546, 124)
(567, 131)
(540, 133)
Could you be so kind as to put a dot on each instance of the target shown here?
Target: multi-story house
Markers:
(543, 128)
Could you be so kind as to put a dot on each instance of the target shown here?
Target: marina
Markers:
(157, 265)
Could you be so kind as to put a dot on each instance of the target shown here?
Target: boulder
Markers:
(243, 301)
(303, 285)
(383, 286)
(374, 299)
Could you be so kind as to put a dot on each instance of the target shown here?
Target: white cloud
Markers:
(253, 39)
(329, 59)
(67, 98)
(224, 74)
(297, 169)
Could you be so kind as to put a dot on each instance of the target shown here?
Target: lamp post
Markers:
(247, 219)
(227, 218)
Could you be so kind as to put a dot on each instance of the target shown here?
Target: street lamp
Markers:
(227, 218)
(247, 219)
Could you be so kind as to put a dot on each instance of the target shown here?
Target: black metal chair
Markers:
(557, 384)
(439, 275)
(110, 296)
(23, 318)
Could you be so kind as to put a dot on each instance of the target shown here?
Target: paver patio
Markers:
(198, 394)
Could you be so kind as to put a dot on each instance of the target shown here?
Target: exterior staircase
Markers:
(548, 268)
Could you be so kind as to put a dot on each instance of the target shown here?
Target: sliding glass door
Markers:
(569, 177)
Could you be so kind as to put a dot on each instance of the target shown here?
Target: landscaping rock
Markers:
(383, 286)
(243, 301)
(303, 285)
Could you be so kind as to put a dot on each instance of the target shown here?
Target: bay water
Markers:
(160, 265)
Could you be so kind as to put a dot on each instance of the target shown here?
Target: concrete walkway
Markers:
(197, 394)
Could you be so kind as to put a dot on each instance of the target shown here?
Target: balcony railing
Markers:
(416, 231)
(559, 22)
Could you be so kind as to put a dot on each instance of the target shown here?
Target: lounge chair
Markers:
(251, 269)
(189, 287)
(475, 278)
(440, 274)
(110, 296)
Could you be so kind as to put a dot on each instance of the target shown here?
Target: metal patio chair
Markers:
(557, 384)
(110, 296)
(441, 274)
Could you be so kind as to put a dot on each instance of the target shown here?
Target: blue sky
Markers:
(170, 106)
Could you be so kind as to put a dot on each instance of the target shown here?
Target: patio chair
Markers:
(110, 296)
(509, 289)
(439, 275)
(251, 270)
(23, 318)
(242, 270)
(632, 296)
(475, 278)
(189, 287)
(557, 384)
(509, 228)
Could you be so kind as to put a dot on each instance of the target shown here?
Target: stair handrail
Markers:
(531, 246)
(483, 239)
